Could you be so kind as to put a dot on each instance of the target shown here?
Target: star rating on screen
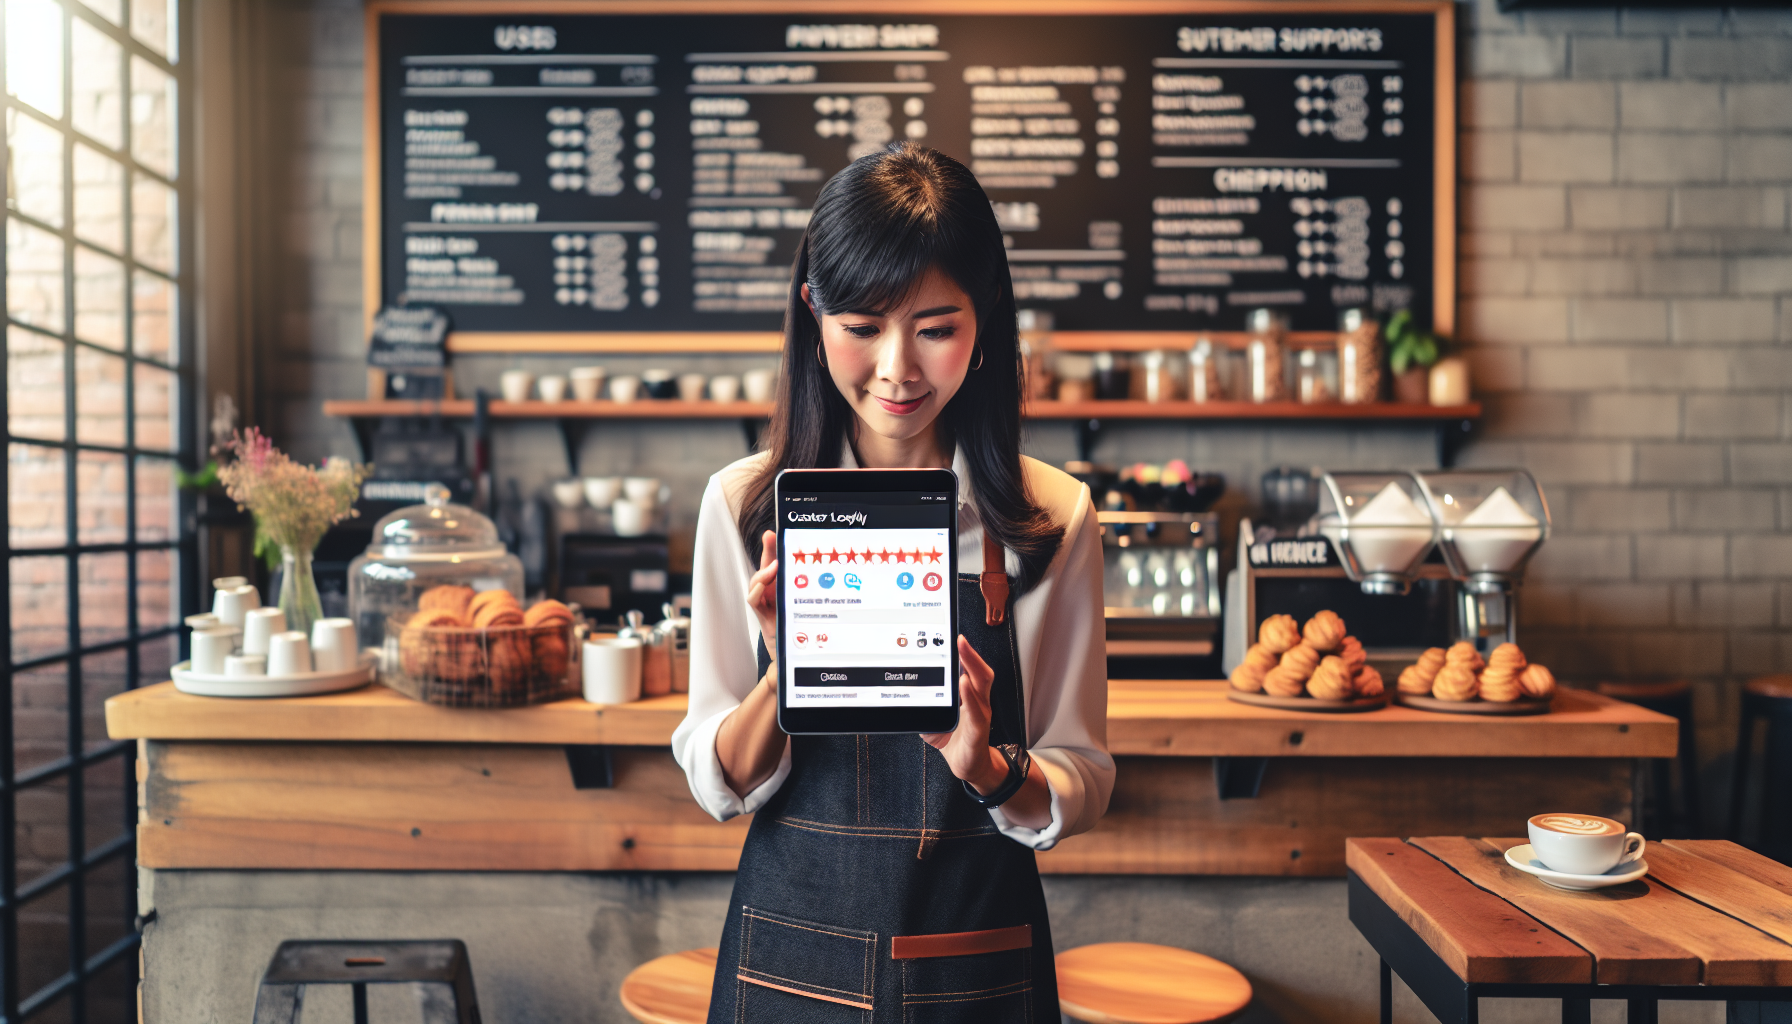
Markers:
(867, 556)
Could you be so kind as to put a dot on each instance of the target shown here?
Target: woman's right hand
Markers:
(762, 591)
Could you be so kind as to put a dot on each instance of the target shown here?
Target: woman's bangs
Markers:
(878, 276)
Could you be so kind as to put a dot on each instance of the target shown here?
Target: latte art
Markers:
(1578, 824)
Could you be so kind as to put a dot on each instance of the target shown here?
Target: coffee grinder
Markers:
(1490, 524)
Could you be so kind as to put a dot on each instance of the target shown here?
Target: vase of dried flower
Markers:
(298, 590)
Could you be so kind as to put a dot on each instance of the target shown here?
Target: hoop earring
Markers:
(819, 358)
(979, 365)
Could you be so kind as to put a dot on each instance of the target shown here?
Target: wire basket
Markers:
(506, 666)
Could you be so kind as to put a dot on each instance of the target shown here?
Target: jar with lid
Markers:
(1359, 358)
(1309, 379)
(1264, 350)
(1035, 351)
(423, 546)
(1204, 371)
(1159, 383)
(1113, 376)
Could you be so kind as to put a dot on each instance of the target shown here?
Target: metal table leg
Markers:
(1577, 1011)
(1387, 993)
(1642, 1011)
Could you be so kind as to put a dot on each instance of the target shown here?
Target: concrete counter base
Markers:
(551, 948)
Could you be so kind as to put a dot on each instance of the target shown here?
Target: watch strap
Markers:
(1019, 764)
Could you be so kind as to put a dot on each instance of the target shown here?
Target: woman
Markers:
(880, 882)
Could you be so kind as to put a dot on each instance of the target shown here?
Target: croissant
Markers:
(497, 615)
(415, 646)
(550, 652)
(448, 598)
(1416, 678)
(1301, 659)
(1284, 682)
(1507, 656)
(1455, 682)
(1368, 682)
(1324, 631)
(1500, 685)
(1351, 650)
(1537, 681)
(489, 597)
(508, 657)
(1331, 680)
(1278, 633)
(1463, 653)
(547, 611)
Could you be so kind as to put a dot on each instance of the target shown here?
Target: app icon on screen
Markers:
(905, 580)
(801, 639)
(852, 580)
(801, 581)
(939, 641)
(931, 581)
(826, 580)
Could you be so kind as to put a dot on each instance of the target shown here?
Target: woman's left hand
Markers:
(967, 748)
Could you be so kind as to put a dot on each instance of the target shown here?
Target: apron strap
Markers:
(994, 581)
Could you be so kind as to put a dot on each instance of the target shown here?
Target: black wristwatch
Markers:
(1019, 763)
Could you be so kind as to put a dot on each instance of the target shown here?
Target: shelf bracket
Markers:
(1088, 434)
(1451, 436)
(572, 435)
(1237, 778)
(591, 765)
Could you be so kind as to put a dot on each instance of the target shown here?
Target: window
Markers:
(96, 388)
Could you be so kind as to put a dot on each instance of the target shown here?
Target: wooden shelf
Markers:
(655, 409)
(462, 408)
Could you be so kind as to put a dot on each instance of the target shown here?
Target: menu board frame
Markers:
(1443, 190)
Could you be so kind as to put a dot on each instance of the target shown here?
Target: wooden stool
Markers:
(1673, 699)
(1142, 983)
(1768, 697)
(438, 967)
(671, 989)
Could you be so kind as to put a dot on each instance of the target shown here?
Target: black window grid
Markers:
(81, 859)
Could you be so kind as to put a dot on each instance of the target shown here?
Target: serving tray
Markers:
(307, 684)
(1309, 704)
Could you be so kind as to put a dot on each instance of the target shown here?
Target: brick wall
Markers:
(1626, 270)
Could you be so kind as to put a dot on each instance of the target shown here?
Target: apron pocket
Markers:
(793, 971)
(966, 978)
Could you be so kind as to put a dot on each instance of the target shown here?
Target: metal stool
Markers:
(438, 967)
(671, 989)
(1768, 697)
(1673, 699)
(1143, 983)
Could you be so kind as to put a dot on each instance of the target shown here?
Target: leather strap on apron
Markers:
(994, 581)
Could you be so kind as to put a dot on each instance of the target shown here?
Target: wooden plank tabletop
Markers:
(1179, 718)
(1694, 919)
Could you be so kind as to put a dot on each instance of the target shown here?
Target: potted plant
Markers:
(1411, 354)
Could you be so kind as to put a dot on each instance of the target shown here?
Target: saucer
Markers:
(1524, 859)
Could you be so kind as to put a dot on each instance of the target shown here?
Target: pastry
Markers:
(1537, 681)
(1500, 685)
(1301, 659)
(497, 615)
(448, 598)
(1248, 676)
(508, 657)
(1455, 682)
(1278, 633)
(549, 648)
(1464, 653)
(547, 611)
(1331, 680)
(487, 597)
(1324, 631)
(1506, 656)
(1351, 650)
(1368, 682)
(1416, 678)
(1284, 682)
(416, 644)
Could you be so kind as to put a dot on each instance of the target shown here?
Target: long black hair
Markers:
(877, 227)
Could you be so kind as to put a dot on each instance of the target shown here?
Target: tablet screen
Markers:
(867, 598)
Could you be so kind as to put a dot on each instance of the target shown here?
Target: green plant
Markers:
(204, 480)
(1409, 346)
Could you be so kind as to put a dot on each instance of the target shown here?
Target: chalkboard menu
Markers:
(558, 172)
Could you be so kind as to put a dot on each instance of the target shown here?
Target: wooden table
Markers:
(1710, 921)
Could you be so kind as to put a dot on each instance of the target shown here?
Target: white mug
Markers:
(204, 620)
(759, 384)
(245, 666)
(230, 604)
(724, 388)
(642, 490)
(587, 382)
(602, 491)
(625, 388)
(1582, 844)
(612, 670)
(516, 385)
(260, 624)
(334, 647)
(552, 387)
(691, 386)
(568, 493)
(289, 654)
(210, 648)
(230, 582)
(628, 518)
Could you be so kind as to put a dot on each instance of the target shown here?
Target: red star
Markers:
(913, 556)
(934, 554)
(834, 555)
(801, 556)
(884, 555)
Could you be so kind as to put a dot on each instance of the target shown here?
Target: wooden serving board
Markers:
(1331, 707)
(1475, 707)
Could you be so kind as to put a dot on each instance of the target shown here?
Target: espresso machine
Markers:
(1410, 560)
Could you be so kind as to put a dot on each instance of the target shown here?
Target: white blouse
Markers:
(1059, 632)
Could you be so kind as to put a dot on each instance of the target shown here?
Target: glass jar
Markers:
(1264, 351)
(1204, 372)
(1159, 384)
(1113, 376)
(1035, 351)
(1309, 379)
(1359, 358)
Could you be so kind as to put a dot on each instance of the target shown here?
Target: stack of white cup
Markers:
(240, 639)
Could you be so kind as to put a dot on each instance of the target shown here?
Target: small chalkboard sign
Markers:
(409, 346)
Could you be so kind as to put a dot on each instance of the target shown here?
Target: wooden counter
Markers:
(1171, 718)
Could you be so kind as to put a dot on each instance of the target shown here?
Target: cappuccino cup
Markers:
(1582, 844)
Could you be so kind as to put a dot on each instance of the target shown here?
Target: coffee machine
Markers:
(1410, 560)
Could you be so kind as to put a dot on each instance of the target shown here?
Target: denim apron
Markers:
(872, 890)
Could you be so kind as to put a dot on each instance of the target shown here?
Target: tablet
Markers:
(867, 613)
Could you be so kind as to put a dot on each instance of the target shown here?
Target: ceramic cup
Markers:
(231, 604)
(289, 654)
(642, 490)
(759, 384)
(691, 386)
(245, 666)
(724, 388)
(515, 385)
(1582, 844)
(334, 647)
(210, 648)
(205, 620)
(612, 670)
(659, 384)
(629, 518)
(568, 493)
(602, 491)
(260, 624)
(587, 382)
(625, 388)
(230, 582)
(552, 388)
